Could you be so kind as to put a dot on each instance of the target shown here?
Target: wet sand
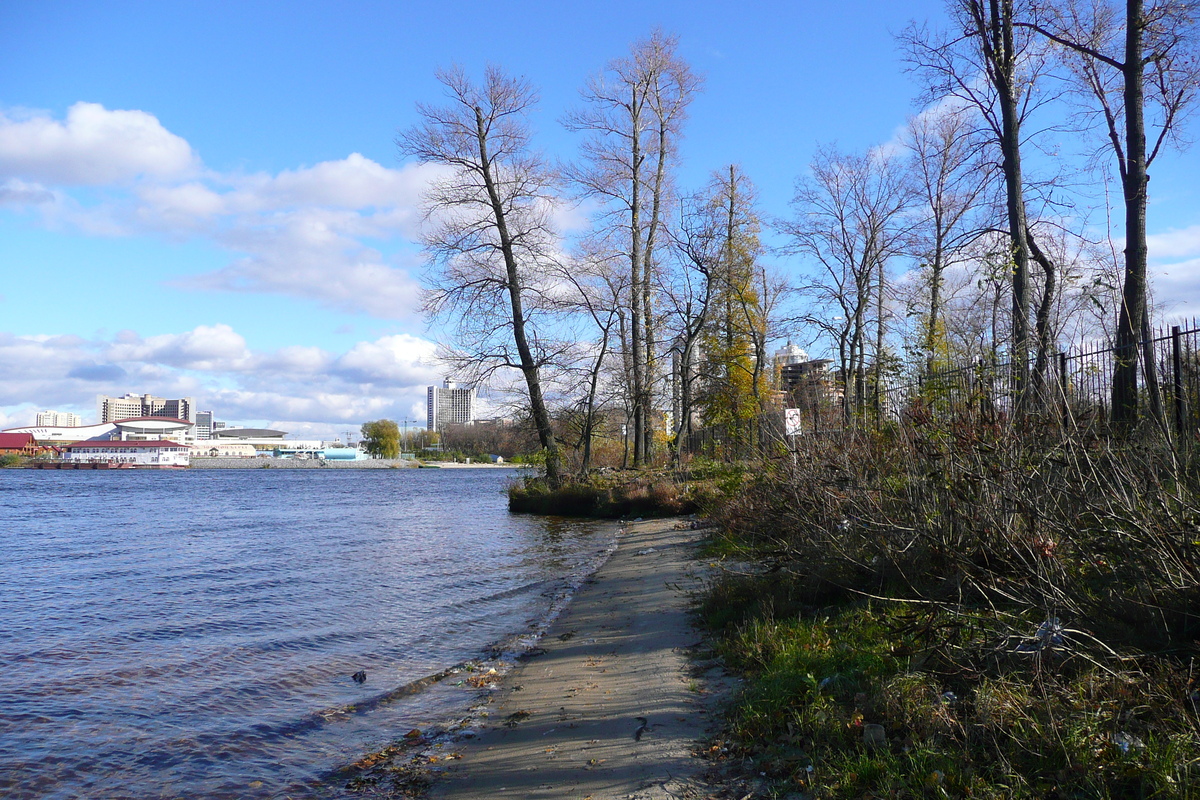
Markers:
(610, 709)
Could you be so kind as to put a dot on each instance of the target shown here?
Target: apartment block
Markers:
(448, 405)
(58, 419)
(110, 409)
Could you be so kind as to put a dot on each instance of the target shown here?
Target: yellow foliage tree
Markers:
(734, 378)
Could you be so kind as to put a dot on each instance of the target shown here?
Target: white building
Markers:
(204, 426)
(59, 419)
(111, 409)
(789, 354)
(216, 449)
(448, 405)
(161, 453)
(143, 428)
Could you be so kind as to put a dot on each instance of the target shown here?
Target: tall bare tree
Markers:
(633, 114)
(993, 64)
(951, 180)
(850, 219)
(1132, 61)
(597, 285)
(488, 231)
(696, 239)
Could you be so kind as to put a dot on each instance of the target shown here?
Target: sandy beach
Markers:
(607, 707)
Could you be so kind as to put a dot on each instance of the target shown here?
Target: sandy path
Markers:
(616, 654)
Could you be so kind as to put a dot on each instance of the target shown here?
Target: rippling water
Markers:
(191, 634)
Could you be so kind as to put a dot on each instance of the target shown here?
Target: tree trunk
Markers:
(636, 321)
(935, 300)
(1041, 367)
(589, 424)
(1003, 59)
(529, 367)
(879, 331)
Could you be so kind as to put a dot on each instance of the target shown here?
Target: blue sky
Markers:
(205, 198)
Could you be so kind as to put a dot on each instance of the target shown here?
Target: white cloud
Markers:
(93, 146)
(400, 360)
(312, 232)
(309, 259)
(353, 182)
(1182, 243)
(211, 348)
(16, 192)
(306, 386)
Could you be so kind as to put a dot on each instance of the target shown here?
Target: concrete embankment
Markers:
(298, 463)
(312, 463)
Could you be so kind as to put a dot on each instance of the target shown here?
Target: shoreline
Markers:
(606, 704)
(310, 463)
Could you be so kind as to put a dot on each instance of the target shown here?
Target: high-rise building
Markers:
(448, 405)
(58, 419)
(204, 425)
(109, 409)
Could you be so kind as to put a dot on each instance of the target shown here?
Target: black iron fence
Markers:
(1074, 386)
(1076, 383)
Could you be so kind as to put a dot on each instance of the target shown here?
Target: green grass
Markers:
(1032, 726)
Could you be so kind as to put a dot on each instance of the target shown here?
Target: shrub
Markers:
(1018, 610)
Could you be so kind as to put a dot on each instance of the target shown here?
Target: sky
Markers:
(205, 199)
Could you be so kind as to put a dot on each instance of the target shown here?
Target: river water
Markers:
(192, 634)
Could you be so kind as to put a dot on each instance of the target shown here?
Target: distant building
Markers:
(111, 409)
(215, 449)
(22, 444)
(159, 453)
(204, 426)
(789, 354)
(803, 373)
(152, 429)
(265, 440)
(248, 433)
(448, 405)
(135, 428)
(59, 419)
(61, 434)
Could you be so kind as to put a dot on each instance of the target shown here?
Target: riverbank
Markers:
(608, 706)
(313, 463)
(964, 612)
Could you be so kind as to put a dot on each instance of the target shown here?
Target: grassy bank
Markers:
(964, 612)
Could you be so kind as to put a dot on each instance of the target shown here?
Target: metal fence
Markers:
(1074, 386)
(1076, 383)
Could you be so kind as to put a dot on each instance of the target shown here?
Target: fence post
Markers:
(1177, 368)
(1062, 384)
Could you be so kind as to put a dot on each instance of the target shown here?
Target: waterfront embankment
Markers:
(316, 463)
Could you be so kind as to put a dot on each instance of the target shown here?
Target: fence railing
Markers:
(1075, 385)
(1077, 382)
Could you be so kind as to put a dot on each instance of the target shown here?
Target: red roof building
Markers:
(20, 443)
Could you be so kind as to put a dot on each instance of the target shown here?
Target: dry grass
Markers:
(1017, 609)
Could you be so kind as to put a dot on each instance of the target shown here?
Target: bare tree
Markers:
(696, 240)
(993, 64)
(1142, 60)
(488, 232)
(597, 287)
(952, 179)
(634, 113)
(850, 219)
